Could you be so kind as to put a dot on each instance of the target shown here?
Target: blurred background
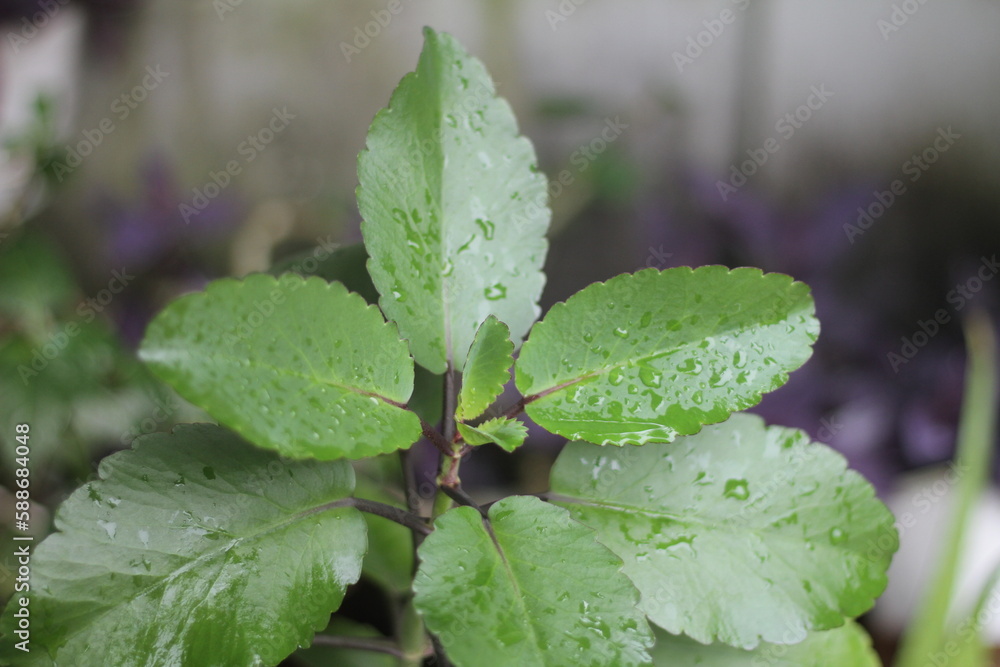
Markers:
(852, 144)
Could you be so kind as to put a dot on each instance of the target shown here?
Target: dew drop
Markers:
(837, 536)
(495, 292)
(616, 376)
(489, 229)
(737, 489)
(621, 333)
(650, 377)
(691, 366)
(110, 527)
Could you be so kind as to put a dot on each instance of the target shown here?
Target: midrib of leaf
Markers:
(211, 554)
(435, 186)
(438, 197)
(601, 370)
(278, 370)
(689, 522)
(523, 608)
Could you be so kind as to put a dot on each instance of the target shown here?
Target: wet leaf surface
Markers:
(487, 369)
(300, 366)
(738, 534)
(503, 431)
(646, 357)
(543, 594)
(193, 548)
(455, 211)
(848, 645)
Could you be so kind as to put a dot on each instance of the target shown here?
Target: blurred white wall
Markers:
(232, 62)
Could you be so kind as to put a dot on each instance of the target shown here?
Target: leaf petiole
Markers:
(402, 517)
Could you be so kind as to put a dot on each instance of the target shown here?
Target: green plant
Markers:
(233, 544)
(935, 635)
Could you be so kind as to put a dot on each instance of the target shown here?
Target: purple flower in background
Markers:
(143, 233)
(151, 238)
(847, 395)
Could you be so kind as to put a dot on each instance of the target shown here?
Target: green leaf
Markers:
(738, 534)
(454, 209)
(299, 366)
(848, 645)
(503, 431)
(194, 548)
(649, 356)
(538, 591)
(486, 370)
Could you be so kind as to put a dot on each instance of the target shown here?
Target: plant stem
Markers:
(411, 521)
(436, 438)
(515, 409)
(409, 482)
(440, 659)
(928, 630)
(450, 460)
(412, 638)
(412, 498)
(361, 644)
(442, 503)
(449, 476)
(461, 497)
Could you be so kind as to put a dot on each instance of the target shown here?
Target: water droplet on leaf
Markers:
(737, 489)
